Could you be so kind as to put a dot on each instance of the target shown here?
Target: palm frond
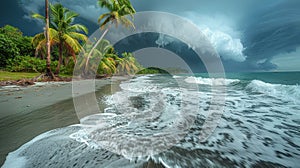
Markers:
(72, 42)
(38, 16)
(70, 15)
(78, 36)
(101, 17)
(78, 28)
(104, 23)
(37, 38)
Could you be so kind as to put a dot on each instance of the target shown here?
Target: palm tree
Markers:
(63, 33)
(106, 57)
(107, 65)
(127, 65)
(39, 41)
(69, 35)
(48, 61)
(117, 14)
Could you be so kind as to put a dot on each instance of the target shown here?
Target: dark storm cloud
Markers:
(12, 13)
(267, 28)
(273, 30)
(247, 34)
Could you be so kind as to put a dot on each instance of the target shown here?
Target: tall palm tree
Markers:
(63, 33)
(117, 14)
(48, 61)
(69, 35)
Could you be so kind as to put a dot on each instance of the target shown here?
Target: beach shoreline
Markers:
(29, 111)
(15, 98)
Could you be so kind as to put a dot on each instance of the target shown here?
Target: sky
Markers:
(249, 35)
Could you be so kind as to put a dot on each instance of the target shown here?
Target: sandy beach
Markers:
(29, 111)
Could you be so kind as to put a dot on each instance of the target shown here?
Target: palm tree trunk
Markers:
(60, 52)
(48, 60)
(90, 53)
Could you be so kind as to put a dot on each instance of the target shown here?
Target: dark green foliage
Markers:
(152, 70)
(68, 68)
(176, 70)
(25, 46)
(13, 32)
(8, 50)
(13, 43)
(27, 64)
(22, 42)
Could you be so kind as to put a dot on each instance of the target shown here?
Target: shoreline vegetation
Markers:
(56, 49)
(26, 78)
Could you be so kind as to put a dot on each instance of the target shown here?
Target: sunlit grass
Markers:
(65, 75)
(5, 76)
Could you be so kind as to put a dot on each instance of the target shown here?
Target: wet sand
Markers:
(30, 111)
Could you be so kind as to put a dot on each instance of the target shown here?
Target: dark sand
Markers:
(26, 112)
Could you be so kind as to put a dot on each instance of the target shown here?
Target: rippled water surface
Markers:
(159, 120)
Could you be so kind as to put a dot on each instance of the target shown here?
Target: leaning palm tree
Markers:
(63, 33)
(117, 14)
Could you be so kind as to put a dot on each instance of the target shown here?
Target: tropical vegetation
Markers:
(62, 32)
(118, 10)
(13, 44)
(63, 44)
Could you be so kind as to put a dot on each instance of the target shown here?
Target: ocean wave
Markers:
(286, 92)
(210, 81)
(251, 133)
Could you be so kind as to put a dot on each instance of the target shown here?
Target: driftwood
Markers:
(21, 82)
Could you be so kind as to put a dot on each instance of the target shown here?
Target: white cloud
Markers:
(220, 31)
(228, 47)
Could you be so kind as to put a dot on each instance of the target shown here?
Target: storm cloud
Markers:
(248, 35)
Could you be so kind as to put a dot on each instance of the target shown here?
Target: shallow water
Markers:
(160, 121)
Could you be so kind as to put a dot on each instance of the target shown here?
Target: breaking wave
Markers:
(210, 81)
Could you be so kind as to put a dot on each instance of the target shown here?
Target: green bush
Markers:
(8, 50)
(28, 64)
(68, 69)
(13, 43)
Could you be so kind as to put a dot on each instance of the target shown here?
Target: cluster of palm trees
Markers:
(110, 61)
(69, 38)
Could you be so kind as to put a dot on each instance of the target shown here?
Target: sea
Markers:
(180, 121)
